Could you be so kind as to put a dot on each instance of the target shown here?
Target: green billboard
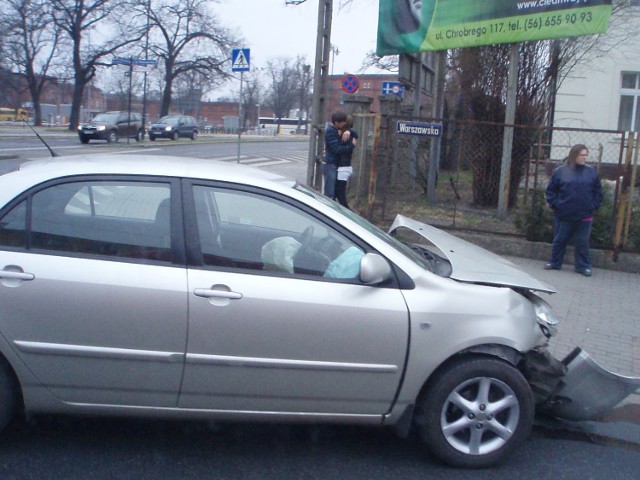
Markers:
(408, 26)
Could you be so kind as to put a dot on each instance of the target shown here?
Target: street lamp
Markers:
(334, 52)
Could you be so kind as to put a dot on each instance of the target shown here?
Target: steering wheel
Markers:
(305, 238)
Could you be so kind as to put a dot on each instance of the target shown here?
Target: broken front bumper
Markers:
(576, 388)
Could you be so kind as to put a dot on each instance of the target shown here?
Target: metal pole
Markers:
(240, 117)
(507, 144)
(435, 144)
(129, 109)
(320, 75)
(144, 84)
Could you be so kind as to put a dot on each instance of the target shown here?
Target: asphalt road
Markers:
(77, 448)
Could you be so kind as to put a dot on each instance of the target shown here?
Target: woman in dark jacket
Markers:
(574, 193)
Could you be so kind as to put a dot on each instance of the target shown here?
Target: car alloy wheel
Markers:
(476, 412)
(112, 137)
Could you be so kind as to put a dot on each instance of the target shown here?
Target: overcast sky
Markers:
(272, 29)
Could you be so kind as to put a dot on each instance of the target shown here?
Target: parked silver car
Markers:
(137, 285)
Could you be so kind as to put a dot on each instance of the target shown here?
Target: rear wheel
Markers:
(194, 135)
(8, 395)
(476, 412)
(139, 135)
(112, 137)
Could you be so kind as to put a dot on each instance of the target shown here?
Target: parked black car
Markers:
(111, 126)
(173, 127)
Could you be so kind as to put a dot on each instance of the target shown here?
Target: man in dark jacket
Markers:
(334, 149)
(574, 193)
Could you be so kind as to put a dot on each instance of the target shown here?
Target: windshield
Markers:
(396, 244)
(106, 117)
(169, 120)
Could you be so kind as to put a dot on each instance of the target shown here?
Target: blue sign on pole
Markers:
(393, 88)
(144, 63)
(121, 61)
(132, 61)
(240, 60)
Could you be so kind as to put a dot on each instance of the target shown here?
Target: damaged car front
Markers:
(496, 312)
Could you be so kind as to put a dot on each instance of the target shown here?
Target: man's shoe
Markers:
(550, 266)
(585, 271)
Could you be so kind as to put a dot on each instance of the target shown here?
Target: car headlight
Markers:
(167, 129)
(79, 127)
(545, 316)
(101, 127)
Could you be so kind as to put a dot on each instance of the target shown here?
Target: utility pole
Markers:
(319, 105)
(320, 78)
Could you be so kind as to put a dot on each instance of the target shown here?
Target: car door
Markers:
(278, 320)
(93, 290)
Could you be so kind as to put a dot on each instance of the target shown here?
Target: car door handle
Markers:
(209, 293)
(8, 274)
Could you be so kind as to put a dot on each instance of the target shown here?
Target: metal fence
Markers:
(392, 174)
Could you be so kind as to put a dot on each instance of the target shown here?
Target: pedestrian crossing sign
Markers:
(240, 60)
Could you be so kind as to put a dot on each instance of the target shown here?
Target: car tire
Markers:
(152, 138)
(476, 412)
(112, 137)
(194, 135)
(139, 136)
(84, 140)
(9, 397)
(174, 136)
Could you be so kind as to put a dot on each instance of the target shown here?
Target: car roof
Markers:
(22, 175)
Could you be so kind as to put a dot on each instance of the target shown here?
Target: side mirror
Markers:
(374, 269)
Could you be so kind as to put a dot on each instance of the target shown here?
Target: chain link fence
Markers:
(393, 173)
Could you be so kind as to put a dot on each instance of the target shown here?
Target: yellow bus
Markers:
(13, 114)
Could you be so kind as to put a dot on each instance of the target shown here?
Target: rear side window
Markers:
(13, 227)
(116, 219)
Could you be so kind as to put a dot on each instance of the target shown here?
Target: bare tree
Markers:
(251, 97)
(32, 41)
(304, 78)
(387, 63)
(282, 92)
(114, 28)
(187, 37)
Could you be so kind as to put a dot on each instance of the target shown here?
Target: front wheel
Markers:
(174, 136)
(112, 137)
(476, 412)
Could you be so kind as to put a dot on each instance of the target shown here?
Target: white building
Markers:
(605, 93)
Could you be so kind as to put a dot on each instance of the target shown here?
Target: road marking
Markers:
(137, 150)
(260, 163)
(37, 148)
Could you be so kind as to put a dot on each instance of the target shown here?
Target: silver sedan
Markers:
(190, 288)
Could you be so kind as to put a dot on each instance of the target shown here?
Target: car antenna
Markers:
(26, 122)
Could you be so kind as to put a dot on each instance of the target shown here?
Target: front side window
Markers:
(116, 219)
(629, 112)
(244, 230)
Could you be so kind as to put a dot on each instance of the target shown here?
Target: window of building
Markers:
(629, 113)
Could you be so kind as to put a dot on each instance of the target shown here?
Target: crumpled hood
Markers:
(471, 263)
